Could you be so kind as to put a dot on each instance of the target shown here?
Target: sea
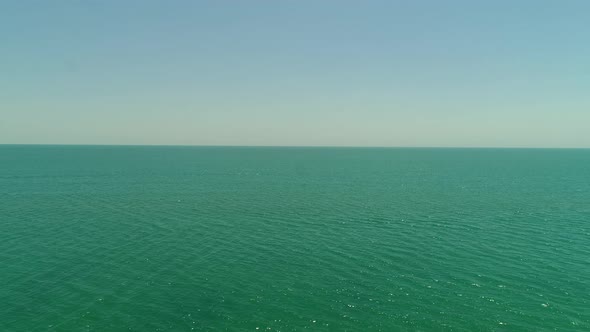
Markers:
(181, 238)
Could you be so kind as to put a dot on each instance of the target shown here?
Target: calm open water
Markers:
(103, 238)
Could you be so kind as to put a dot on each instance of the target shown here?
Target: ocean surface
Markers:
(107, 238)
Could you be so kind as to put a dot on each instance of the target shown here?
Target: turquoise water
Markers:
(100, 238)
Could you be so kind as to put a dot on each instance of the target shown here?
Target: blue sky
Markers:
(343, 73)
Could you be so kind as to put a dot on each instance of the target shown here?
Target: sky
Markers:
(296, 73)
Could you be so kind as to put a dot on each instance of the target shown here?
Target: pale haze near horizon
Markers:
(317, 73)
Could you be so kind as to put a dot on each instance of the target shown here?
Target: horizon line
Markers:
(298, 146)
